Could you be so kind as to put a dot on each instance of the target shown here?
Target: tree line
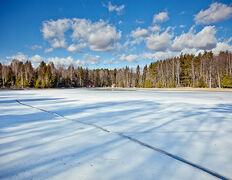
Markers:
(203, 70)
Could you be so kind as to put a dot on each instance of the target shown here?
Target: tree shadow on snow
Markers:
(59, 147)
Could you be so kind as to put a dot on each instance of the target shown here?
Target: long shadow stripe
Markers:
(178, 158)
(209, 171)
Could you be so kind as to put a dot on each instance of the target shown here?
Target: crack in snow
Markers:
(176, 157)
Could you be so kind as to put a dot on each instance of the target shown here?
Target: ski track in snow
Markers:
(64, 142)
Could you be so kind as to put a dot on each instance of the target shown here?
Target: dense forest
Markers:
(203, 70)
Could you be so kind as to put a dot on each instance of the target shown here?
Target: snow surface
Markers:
(34, 144)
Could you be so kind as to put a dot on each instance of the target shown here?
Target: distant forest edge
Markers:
(204, 70)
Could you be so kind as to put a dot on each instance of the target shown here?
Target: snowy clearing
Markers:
(92, 134)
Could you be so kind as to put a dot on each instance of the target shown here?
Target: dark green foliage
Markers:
(171, 83)
(97, 79)
(201, 83)
(227, 81)
(26, 83)
(10, 78)
(137, 77)
(121, 84)
(38, 84)
(144, 76)
(185, 64)
(148, 84)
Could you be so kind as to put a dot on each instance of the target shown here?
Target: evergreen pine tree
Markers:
(227, 82)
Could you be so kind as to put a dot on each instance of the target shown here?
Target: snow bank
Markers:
(196, 126)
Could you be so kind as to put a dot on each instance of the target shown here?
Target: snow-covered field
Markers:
(119, 136)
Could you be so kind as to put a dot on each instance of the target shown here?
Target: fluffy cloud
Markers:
(154, 40)
(36, 58)
(48, 50)
(205, 39)
(53, 31)
(155, 28)
(91, 59)
(139, 33)
(116, 8)
(164, 55)
(161, 55)
(129, 58)
(150, 56)
(99, 36)
(222, 46)
(88, 59)
(159, 42)
(215, 13)
(19, 56)
(76, 47)
(35, 47)
(61, 61)
(56, 43)
(104, 39)
(161, 17)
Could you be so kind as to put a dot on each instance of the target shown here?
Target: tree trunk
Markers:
(178, 73)
(193, 73)
(21, 79)
(210, 76)
(219, 81)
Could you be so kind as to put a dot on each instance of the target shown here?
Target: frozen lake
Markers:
(104, 134)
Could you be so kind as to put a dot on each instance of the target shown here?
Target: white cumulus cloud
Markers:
(36, 58)
(88, 59)
(129, 58)
(53, 31)
(19, 56)
(160, 55)
(116, 8)
(161, 17)
(76, 47)
(215, 13)
(154, 40)
(48, 50)
(150, 56)
(61, 61)
(99, 36)
(139, 33)
(205, 39)
(155, 28)
(222, 46)
(159, 42)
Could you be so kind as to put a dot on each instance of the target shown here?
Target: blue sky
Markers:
(111, 34)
